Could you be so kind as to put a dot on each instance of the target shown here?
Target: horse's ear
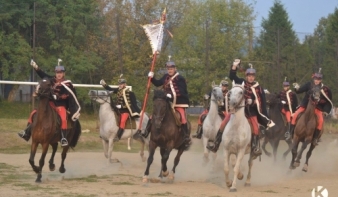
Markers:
(242, 84)
(213, 84)
(233, 83)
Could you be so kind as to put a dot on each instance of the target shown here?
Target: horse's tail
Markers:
(77, 133)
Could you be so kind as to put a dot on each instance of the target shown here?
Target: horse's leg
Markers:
(152, 148)
(34, 146)
(240, 155)
(42, 161)
(295, 143)
(110, 151)
(226, 167)
(142, 151)
(129, 148)
(300, 153)
(308, 155)
(263, 146)
(51, 161)
(105, 147)
(288, 150)
(176, 161)
(248, 178)
(275, 147)
(206, 151)
(164, 158)
(62, 168)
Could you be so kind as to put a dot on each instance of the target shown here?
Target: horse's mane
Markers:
(159, 94)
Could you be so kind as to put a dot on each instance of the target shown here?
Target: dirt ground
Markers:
(89, 174)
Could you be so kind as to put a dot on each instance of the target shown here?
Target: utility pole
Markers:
(33, 72)
(278, 57)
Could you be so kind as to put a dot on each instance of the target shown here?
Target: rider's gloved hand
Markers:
(151, 74)
(249, 101)
(34, 65)
(283, 102)
(102, 82)
(169, 96)
(296, 86)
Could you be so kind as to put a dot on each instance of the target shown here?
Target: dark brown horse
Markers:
(276, 133)
(304, 130)
(164, 134)
(46, 130)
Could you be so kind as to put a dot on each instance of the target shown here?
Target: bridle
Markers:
(216, 100)
(160, 118)
(46, 92)
(97, 96)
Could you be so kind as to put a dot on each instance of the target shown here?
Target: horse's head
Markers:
(45, 88)
(160, 106)
(100, 96)
(315, 93)
(236, 96)
(272, 99)
(217, 95)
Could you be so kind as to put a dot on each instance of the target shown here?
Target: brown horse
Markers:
(164, 134)
(46, 130)
(304, 130)
(275, 134)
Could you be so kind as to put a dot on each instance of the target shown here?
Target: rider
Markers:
(290, 102)
(126, 104)
(323, 107)
(60, 100)
(201, 117)
(222, 110)
(255, 107)
(175, 86)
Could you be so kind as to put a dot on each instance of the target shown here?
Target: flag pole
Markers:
(147, 92)
(156, 42)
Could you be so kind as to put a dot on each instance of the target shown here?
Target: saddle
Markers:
(130, 124)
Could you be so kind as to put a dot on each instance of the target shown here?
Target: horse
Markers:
(212, 121)
(236, 136)
(166, 134)
(109, 127)
(276, 133)
(304, 130)
(46, 130)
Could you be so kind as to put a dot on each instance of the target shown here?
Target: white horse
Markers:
(237, 137)
(108, 126)
(212, 121)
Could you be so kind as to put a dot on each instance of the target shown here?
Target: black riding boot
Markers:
(291, 130)
(26, 134)
(63, 140)
(315, 139)
(217, 142)
(119, 135)
(147, 130)
(255, 145)
(187, 139)
(199, 132)
(287, 132)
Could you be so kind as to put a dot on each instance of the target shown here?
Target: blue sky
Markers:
(304, 14)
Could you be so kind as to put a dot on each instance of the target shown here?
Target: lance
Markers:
(155, 35)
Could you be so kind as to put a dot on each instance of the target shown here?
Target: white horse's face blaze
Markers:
(100, 96)
(217, 95)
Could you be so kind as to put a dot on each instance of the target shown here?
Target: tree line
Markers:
(101, 39)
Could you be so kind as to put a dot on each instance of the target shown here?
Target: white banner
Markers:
(154, 33)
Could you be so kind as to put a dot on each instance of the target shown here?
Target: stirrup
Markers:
(287, 135)
(22, 133)
(64, 142)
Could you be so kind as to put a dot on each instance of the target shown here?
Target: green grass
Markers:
(161, 194)
(269, 191)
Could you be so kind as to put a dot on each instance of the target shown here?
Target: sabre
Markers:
(154, 33)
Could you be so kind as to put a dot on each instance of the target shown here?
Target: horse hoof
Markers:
(292, 167)
(129, 148)
(233, 190)
(165, 174)
(38, 181)
(155, 180)
(144, 159)
(296, 164)
(247, 184)
(268, 154)
(240, 176)
(305, 168)
(62, 170)
(229, 184)
(52, 167)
